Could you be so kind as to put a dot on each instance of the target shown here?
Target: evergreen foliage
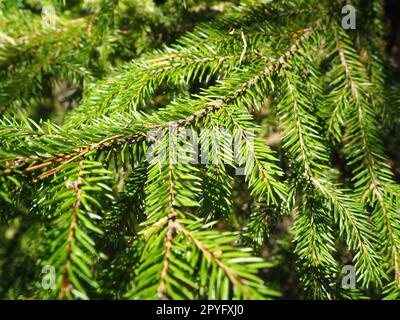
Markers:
(86, 97)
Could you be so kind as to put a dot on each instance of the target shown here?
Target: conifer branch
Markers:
(125, 96)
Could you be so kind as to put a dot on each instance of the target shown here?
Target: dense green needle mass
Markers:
(100, 200)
